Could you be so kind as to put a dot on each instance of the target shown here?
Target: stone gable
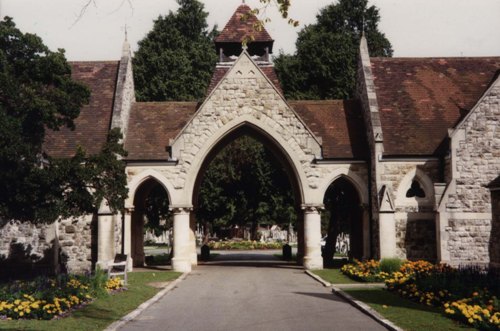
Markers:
(245, 96)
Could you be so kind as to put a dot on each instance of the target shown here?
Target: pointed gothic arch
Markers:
(261, 131)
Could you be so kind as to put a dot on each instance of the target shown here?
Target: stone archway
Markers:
(287, 173)
(138, 212)
(346, 215)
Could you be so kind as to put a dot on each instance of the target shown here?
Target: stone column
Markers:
(105, 239)
(127, 237)
(312, 237)
(182, 246)
(366, 232)
(387, 224)
(192, 240)
(300, 239)
(442, 237)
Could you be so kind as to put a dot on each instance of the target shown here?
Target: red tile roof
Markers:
(152, 125)
(340, 125)
(219, 73)
(93, 123)
(421, 98)
(237, 29)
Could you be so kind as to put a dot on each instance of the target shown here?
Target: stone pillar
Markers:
(182, 245)
(300, 239)
(192, 240)
(127, 237)
(442, 237)
(366, 232)
(387, 228)
(105, 239)
(312, 237)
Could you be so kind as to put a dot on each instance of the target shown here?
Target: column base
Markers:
(311, 263)
(181, 265)
(194, 259)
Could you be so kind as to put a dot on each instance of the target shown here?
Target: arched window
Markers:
(415, 191)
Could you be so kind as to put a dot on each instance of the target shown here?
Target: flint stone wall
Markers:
(76, 240)
(34, 239)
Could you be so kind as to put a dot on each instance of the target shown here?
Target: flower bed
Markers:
(46, 298)
(366, 271)
(243, 245)
(469, 295)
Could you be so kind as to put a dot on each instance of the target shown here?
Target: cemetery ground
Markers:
(392, 305)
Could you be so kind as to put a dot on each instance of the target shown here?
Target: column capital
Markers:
(312, 207)
(180, 209)
(129, 210)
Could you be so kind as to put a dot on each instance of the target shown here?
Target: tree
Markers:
(38, 94)
(176, 59)
(324, 65)
(245, 184)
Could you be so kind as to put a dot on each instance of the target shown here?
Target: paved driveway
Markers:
(250, 291)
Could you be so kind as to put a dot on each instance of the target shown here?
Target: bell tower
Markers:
(244, 26)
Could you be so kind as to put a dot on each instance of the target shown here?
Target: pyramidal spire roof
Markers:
(238, 29)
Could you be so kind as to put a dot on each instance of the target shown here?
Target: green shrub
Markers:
(390, 265)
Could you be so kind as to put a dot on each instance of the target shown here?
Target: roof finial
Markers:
(126, 32)
(363, 27)
(243, 1)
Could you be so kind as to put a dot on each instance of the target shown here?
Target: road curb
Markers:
(366, 309)
(318, 278)
(133, 314)
(363, 307)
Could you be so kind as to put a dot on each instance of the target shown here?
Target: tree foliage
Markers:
(245, 184)
(324, 64)
(176, 59)
(36, 94)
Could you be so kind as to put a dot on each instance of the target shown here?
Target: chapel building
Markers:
(418, 147)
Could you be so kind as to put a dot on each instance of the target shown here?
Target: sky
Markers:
(416, 28)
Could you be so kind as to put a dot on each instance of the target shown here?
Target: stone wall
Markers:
(494, 246)
(76, 239)
(414, 217)
(416, 239)
(477, 156)
(475, 163)
(469, 241)
(16, 238)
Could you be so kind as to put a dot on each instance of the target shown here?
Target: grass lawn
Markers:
(103, 311)
(335, 276)
(405, 313)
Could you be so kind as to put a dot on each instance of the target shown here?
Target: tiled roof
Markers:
(421, 98)
(340, 125)
(237, 29)
(152, 125)
(219, 73)
(93, 123)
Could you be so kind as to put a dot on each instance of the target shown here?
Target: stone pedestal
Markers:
(366, 233)
(312, 237)
(105, 239)
(182, 245)
(127, 238)
(387, 225)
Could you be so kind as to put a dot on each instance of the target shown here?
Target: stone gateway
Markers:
(419, 147)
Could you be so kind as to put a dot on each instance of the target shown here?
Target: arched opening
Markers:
(247, 189)
(342, 222)
(150, 216)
